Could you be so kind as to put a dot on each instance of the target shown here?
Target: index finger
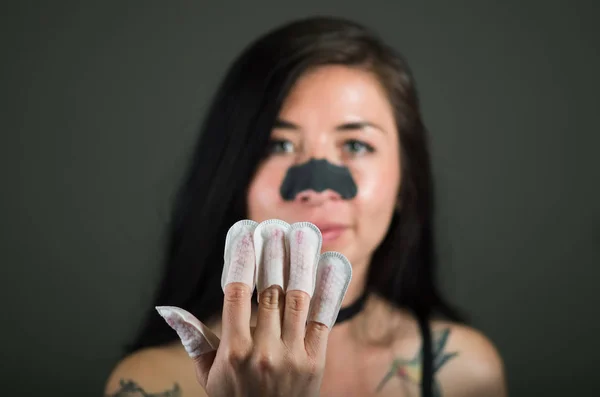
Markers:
(237, 280)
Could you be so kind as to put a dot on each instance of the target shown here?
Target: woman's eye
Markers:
(280, 146)
(358, 147)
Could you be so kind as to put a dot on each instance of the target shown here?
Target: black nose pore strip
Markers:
(318, 175)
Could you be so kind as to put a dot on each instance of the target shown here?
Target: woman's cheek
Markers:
(263, 195)
(377, 194)
(371, 186)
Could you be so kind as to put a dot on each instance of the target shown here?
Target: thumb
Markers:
(199, 341)
(204, 363)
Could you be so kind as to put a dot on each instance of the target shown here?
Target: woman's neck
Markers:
(378, 323)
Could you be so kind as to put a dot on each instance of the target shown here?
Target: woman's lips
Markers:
(331, 232)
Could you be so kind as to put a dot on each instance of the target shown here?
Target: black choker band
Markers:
(346, 313)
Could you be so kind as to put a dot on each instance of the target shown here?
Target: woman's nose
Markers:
(321, 147)
(314, 198)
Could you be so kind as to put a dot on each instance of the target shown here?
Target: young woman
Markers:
(322, 91)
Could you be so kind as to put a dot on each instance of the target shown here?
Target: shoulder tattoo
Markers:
(411, 370)
(129, 388)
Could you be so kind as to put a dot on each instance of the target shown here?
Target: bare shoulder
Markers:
(154, 372)
(467, 363)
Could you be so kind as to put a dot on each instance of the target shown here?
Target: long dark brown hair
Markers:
(232, 143)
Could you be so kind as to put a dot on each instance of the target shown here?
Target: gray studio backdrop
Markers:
(101, 101)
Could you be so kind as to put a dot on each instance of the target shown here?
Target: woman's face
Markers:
(340, 114)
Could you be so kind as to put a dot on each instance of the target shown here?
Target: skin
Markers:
(343, 115)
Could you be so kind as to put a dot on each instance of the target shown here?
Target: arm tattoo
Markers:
(131, 389)
(410, 370)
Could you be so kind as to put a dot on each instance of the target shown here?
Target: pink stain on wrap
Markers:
(299, 236)
(243, 252)
(333, 277)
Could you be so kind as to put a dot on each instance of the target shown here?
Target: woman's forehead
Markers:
(336, 92)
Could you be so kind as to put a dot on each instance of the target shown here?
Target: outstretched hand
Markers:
(300, 293)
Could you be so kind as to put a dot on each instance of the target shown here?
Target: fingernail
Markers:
(197, 339)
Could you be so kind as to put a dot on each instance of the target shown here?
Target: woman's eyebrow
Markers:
(359, 125)
(284, 124)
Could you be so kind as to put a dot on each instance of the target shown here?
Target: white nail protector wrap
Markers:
(305, 246)
(333, 277)
(239, 259)
(197, 339)
(271, 250)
